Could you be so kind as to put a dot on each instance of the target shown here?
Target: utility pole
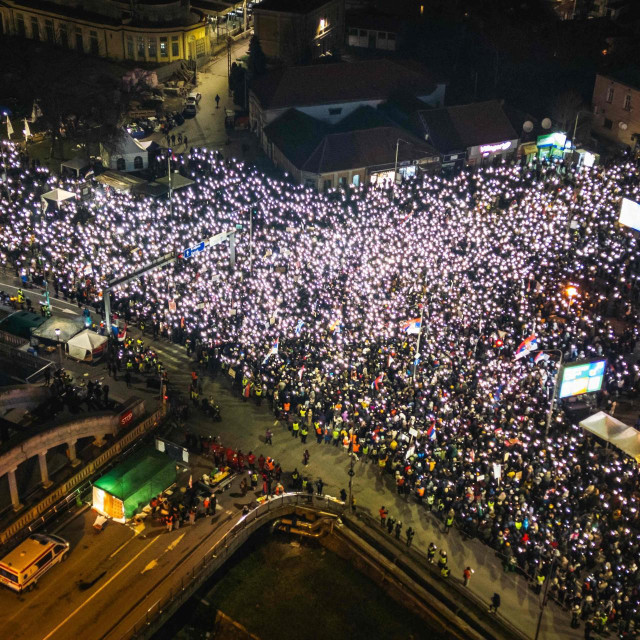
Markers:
(555, 391)
(229, 41)
(169, 176)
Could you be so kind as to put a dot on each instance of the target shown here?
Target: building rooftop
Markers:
(363, 139)
(453, 129)
(629, 76)
(376, 79)
(290, 6)
(365, 148)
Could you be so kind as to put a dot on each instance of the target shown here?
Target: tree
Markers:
(237, 84)
(257, 58)
(565, 107)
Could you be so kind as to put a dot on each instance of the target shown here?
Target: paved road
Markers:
(207, 129)
(111, 578)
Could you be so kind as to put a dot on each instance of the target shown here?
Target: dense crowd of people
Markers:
(386, 320)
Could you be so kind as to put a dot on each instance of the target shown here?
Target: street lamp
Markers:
(575, 125)
(59, 351)
(395, 167)
(571, 292)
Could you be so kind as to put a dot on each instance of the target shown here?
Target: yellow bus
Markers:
(23, 567)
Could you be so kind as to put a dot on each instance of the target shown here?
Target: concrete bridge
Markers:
(96, 426)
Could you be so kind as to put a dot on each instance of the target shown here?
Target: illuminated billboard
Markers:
(630, 214)
(582, 377)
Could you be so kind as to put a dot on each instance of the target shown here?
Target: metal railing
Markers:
(35, 518)
(160, 612)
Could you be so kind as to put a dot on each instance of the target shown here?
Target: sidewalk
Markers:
(243, 426)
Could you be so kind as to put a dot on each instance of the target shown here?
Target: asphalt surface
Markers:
(69, 603)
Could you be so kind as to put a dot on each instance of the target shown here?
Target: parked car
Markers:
(194, 96)
(190, 109)
(178, 119)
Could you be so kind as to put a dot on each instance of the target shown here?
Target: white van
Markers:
(23, 567)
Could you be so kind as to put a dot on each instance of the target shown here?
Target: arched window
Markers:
(121, 165)
(137, 162)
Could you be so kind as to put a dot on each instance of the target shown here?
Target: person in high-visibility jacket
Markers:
(304, 432)
(295, 428)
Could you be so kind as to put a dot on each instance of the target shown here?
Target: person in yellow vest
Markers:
(257, 391)
(295, 428)
(304, 432)
(382, 462)
(319, 433)
(393, 446)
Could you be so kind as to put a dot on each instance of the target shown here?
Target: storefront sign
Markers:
(495, 148)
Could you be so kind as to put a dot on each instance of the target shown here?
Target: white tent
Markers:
(87, 345)
(124, 153)
(56, 197)
(618, 433)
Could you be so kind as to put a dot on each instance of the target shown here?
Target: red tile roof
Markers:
(340, 82)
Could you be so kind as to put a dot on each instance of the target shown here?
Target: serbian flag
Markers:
(378, 381)
(527, 346)
(411, 326)
(431, 431)
(541, 356)
(273, 351)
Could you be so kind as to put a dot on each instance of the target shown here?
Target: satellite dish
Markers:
(546, 123)
(622, 125)
(527, 127)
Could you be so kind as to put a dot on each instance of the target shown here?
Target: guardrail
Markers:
(33, 519)
(10, 339)
(160, 612)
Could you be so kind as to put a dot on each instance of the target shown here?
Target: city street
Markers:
(207, 128)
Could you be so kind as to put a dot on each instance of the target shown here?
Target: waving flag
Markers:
(541, 356)
(431, 431)
(378, 381)
(299, 327)
(527, 346)
(273, 351)
(411, 326)
(9, 128)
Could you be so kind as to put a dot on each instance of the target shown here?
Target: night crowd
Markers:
(386, 320)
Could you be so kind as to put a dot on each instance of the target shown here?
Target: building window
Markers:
(137, 162)
(140, 47)
(20, 28)
(48, 28)
(363, 33)
(93, 43)
(121, 165)
(610, 95)
(356, 180)
(63, 35)
(353, 32)
(200, 47)
(327, 185)
(391, 37)
(164, 48)
(335, 111)
(607, 124)
(35, 28)
(79, 41)
(175, 47)
(627, 102)
(382, 35)
(153, 48)
(310, 183)
(130, 50)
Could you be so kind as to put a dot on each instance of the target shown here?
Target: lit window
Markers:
(627, 102)
(164, 49)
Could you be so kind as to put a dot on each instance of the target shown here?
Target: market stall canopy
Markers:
(86, 345)
(132, 484)
(69, 327)
(119, 181)
(618, 433)
(178, 181)
(20, 323)
(56, 196)
(76, 165)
